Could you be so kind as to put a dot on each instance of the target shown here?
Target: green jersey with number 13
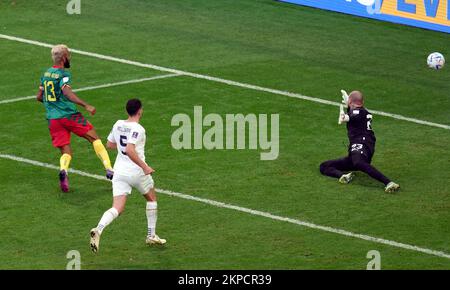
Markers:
(56, 104)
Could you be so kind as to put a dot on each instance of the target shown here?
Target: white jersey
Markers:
(122, 133)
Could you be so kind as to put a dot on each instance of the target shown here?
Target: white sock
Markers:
(151, 212)
(107, 218)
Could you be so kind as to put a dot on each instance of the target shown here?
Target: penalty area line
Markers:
(250, 211)
(98, 87)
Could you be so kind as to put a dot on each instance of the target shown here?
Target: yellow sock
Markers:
(64, 162)
(101, 152)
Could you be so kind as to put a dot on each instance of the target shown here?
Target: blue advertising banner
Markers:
(428, 14)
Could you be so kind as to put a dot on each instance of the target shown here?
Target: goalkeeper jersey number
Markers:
(359, 127)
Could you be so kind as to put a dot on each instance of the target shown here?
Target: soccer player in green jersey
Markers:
(63, 116)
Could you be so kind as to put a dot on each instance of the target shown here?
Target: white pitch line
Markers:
(98, 87)
(250, 211)
(17, 99)
(220, 80)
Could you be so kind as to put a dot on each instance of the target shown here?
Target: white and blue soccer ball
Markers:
(436, 60)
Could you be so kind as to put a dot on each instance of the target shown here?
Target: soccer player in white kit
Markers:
(130, 170)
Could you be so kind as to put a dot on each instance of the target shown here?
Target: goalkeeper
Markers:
(362, 144)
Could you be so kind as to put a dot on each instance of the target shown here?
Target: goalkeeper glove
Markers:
(344, 98)
(343, 117)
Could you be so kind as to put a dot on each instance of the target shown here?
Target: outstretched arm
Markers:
(344, 98)
(67, 91)
(343, 117)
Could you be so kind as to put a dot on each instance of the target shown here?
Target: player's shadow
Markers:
(364, 180)
(82, 193)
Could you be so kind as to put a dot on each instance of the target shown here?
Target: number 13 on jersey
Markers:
(50, 94)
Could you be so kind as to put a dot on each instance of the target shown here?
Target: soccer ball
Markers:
(436, 60)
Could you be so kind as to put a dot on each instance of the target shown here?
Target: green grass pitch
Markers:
(260, 42)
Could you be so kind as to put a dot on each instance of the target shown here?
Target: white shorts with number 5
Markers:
(122, 184)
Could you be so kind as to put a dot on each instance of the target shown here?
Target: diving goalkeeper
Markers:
(362, 144)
